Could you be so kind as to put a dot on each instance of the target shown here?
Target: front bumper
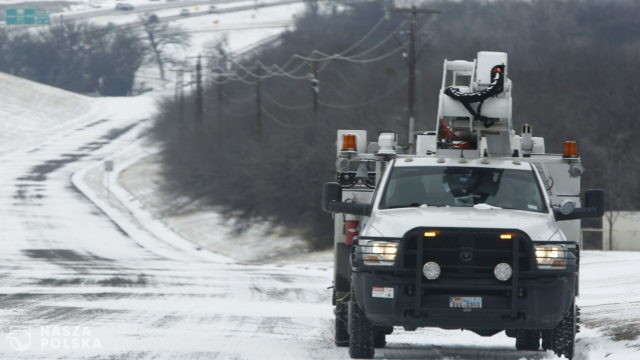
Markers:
(539, 304)
(399, 295)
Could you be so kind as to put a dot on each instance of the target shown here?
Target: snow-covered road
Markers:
(74, 285)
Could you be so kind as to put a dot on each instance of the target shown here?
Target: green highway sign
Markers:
(42, 18)
(28, 16)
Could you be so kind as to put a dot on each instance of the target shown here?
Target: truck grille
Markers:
(466, 253)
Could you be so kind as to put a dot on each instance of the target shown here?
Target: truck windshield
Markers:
(463, 186)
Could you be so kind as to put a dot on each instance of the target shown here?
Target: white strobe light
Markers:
(503, 271)
(431, 270)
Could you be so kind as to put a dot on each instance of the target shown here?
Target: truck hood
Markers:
(396, 222)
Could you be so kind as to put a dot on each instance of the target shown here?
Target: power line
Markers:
(326, 57)
(366, 102)
(238, 115)
(233, 100)
(284, 106)
(357, 61)
(353, 46)
(382, 42)
(282, 123)
(336, 106)
(281, 71)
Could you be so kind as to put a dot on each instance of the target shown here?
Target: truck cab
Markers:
(470, 226)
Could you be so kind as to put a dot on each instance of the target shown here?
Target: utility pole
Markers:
(411, 62)
(180, 93)
(198, 97)
(315, 88)
(219, 93)
(177, 86)
(258, 102)
(191, 80)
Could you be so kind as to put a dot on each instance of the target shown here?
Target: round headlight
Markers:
(503, 271)
(431, 270)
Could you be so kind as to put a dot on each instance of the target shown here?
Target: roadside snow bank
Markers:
(202, 224)
(100, 187)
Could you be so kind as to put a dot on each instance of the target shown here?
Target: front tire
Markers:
(564, 335)
(528, 340)
(381, 333)
(341, 331)
(380, 339)
(547, 340)
(361, 333)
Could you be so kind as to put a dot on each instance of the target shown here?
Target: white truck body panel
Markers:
(396, 222)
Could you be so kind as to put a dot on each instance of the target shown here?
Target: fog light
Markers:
(431, 270)
(503, 271)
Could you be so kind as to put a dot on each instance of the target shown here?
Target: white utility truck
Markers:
(470, 226)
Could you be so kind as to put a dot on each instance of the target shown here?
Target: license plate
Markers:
(465, 302)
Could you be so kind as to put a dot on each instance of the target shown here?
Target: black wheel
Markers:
(528, 340)
(379, 339)
(564, 335)
(361, 333)
(342, 332)
(547, 340)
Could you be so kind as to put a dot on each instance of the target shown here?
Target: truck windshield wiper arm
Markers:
(416, 204)
(413, 205)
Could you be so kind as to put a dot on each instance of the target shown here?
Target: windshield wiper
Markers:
(416, 204)
(413, 205)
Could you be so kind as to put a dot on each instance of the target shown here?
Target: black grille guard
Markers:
(409, 272)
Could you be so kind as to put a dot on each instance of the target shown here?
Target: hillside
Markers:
(30, 111)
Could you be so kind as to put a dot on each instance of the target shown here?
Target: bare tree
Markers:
(312, 6)
(567, 90)
(162, 38)
(614, 169)
(218, 55)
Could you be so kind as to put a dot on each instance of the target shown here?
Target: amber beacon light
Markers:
(349, 142)
(570, 149)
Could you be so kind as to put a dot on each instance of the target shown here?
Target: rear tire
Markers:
(528, 340)
(342, 331)
(361, 333)
(564, 335)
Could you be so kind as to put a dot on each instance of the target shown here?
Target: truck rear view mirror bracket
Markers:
(593, 207)
(332, 202)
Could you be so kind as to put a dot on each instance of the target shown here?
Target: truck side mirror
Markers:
(332, 202)
(594, 199)
(593, 207)
(331, 193)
